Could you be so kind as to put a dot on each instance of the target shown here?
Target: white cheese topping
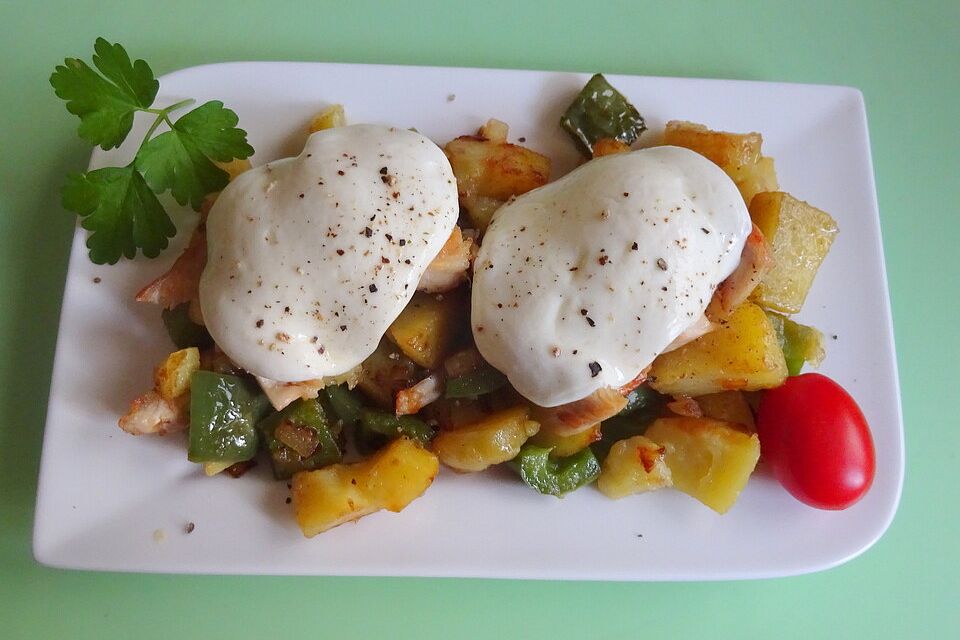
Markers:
(311, 258)
(580, 284)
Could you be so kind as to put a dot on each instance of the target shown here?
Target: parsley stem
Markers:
(153, 127)
(178, 105)
(163, 115)
(172, 107)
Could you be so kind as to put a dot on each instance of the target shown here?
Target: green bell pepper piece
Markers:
(224, 411)
(643, 398)
(600, 111)
(555, 476)
(183, 331)
(346, 404)
(388, 426)
(800, 343)
(475, 383)
(301, 414)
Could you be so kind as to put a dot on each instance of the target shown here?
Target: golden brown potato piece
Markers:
(755, 178)
(424, 331)
(171, 378)
(496, 170)
(490, 171)
(743, 354)
(634, 465)
(494, 439)
(709, 460)
(726, 150)
(494, 130)
(800, 237)
(738, 154)
(385, 372)
(480, 209)
(390, 479)
(729, 406)
(332, 116)
(566, 445)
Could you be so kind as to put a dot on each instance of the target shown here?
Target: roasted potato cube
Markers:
(390, 479)
(726, 150)
(495, 439)
(729, 406)
(171, 378)
(709, 460)
(800, 237)
(424, 331)
(332, 116)
(490, 170)
(634, 465)
(385, 372)
(494, 130)
(743, 354)
(738, 154)
(495, 169)
(480, 209)
(755, 178)
(566, 445)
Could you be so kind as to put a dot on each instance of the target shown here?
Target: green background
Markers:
(904, 58)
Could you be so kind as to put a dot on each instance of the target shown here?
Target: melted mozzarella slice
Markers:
(311, 258)
(580, 284)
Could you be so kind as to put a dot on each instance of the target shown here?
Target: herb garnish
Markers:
(119, 205)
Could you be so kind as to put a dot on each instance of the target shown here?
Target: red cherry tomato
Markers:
(815, 438)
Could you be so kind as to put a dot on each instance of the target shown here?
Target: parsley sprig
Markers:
(119, 205)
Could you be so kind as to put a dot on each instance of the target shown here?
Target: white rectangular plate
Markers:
(110, 501)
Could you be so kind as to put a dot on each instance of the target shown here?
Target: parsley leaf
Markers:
(122, 212)
(106, 104)
(181, 159)
(119, 205)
